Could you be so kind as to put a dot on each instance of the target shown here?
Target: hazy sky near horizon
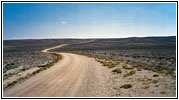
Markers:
(88, 20)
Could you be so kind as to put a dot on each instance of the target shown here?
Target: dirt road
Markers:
(59, 46)
(72, 76)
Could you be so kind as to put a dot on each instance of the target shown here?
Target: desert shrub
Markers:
(109, 64)
(174, 76)
(145, 79)
(132, 72)
(139, 69)
(145, 83)
(147, 86)
(11, 83)
(126, 86)
(118, 94)
(170, 71)
(156, 75)
(15, 81)
(38, 70)
(146, 68)
(4, 71)
(155, 81)
(138, 66)
(162, 92)
(117, 70)
(126, 67)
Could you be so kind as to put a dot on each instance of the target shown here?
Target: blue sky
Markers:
(88, 20)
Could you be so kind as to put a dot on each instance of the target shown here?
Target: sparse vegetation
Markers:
(139, 69)
(174, 76)
(162, 92)
(140, 54)
(126, 86)
(109, 64)
(147, 86)
(132, 72)
(127, 67)
(156, 75)
(15, 81)
(117, 95)
(53, 62)
(42, 67)
(38, 70)
(146, 81)
(11, 83)
(155, 81)
(150, 53)
(117, 70)
(25, 54)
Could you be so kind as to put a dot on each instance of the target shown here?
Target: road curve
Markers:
(73, 76)
(59, 46)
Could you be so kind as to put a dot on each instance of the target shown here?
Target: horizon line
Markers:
(90, 37)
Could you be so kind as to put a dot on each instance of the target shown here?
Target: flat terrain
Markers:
(156, 52)
(101, 74)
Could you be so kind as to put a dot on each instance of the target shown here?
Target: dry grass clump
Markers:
(155, 81)
(118, 94)
(147, 86)
(108, 63)
(117, 70)
(127, 67)
(15, 81)
(11, 83)
(162, 92)
(138, 66)
(38, 70)
(156, 75)
(132, 72)
(139, 69)
(142, 66)
(173, 76)
(126, 86)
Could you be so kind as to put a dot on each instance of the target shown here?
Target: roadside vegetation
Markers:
(44, 67)
(117, 70)
(108, 63)
(126, 86)
(41, 68)
(157, 54)
(23, 55)
(132, 72)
